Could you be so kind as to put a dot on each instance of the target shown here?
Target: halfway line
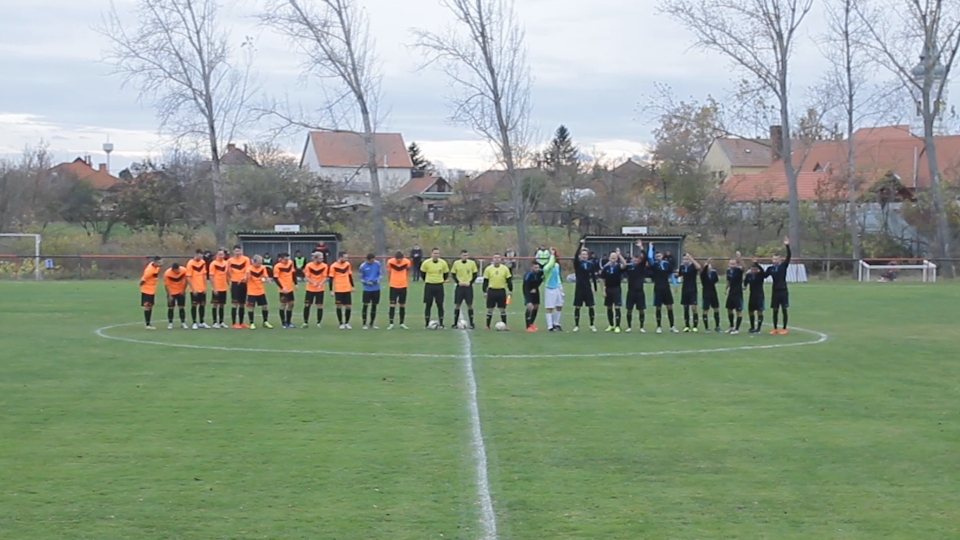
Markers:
(488, 520)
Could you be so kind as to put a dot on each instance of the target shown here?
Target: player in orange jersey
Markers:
(148, 289)
(197, 277)
(175, 282)
(238, 266)
(398, 269)
(257, 275)
(285, 275)
(316, 272)
(341, 273)
(218, 269)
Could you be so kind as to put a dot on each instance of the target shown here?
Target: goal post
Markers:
(37, 269)
(923, 271)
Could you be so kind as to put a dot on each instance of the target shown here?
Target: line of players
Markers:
(244, 278)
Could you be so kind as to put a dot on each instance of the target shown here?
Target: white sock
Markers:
(556, 318)
(549, 320)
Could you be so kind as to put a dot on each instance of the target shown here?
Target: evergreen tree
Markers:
(561, 155)
(421, 165)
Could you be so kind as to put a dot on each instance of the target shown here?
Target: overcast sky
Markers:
(592, 62)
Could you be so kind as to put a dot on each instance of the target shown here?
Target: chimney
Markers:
(231, 147)
(385, 161)
(87, 159)
(103, 167)
(776, 142)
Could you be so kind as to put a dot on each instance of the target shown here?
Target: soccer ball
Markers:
(543, 256)
(433, 325)
(500, 326)
(462, 325)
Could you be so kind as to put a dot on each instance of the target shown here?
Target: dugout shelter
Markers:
(603, 244)
(274, 242)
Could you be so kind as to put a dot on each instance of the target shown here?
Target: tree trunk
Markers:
(942, 237)
(216, 179)
(379, 233)
(519, 206)
(790, 171)
(852, 194)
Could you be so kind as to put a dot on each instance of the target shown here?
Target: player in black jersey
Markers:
(585, 271)
(780, 298)
(689, 271)
(709, 277)
(637, 271)
(662, 270)
(612, 277)
(735, 293)
(753, 280)
(532, 281)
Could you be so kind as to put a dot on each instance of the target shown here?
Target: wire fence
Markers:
(104, 267)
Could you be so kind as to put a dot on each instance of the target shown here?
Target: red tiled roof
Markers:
(79, 169)
(746, 152)
(494, 180)
(346, 149)
(417, 186)
(771, 186)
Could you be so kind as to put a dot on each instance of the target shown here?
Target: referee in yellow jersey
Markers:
(435, 272)
(497, 280)
(464, 273)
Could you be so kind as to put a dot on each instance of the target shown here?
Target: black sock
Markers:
(503, 317)
(403, 313)
(759, 320)
(193, 314)
(183, 315)
(440, 314)
(673, 322)
(533, 316)
(203, 313)
(739, 321)
(753, 320)
(306, 314)
(347, 311)
(170, 315)
(426, 315)
(776, 319)
(730, 317)
(147, 313)
(319, 315)
(363, 314)
(250, 314)
(576, 316)
(629, 318)
(784, 308)
(220, 312)
(489, 318)
(526, 317)
(373, 314)
(659, 317)
(706, 321)
(642, 317)
(686, 316)
(470, 315)
(610, 316)
(233, 315)
(593, 316)
(456, 315)
(265, 314)
(339, 314)
(716, 319)
(616, 319)
(392, 313)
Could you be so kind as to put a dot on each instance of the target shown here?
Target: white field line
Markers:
(488, 520)
(820, 338)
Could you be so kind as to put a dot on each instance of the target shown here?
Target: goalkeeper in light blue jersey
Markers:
(553, 291)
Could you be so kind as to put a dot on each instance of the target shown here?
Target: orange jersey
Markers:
(238, 268)
(218, 275)
(342, 274)
(148, 282)
(255, 283)
(175, 281)
(283, 272)
(314, 272)
(197, 272)
(399, 270)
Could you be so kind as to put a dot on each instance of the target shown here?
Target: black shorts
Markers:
(613, 297)
(198, 298)
(496, 298)
(711, 300)
(398, 295)
(735, 302)
(314, 297)
(343, 298)
(287, 297)
(463, 295)
(371, 297)
(583, 297)
(662, 297)
(756, 303)
(147, 300)
(257, 300)
(176, 300)
(433, 292)
(238, 292)
(636, 300)
(219, 298)
(780, 299)
(688, 297)
(531, 298)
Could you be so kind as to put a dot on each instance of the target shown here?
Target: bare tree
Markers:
(484, 56)
(758, 36)
(334, 38)
(181, 59)
(897, 30)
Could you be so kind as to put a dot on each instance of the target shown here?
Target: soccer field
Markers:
(849, 428)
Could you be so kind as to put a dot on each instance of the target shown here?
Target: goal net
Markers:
(20, 256)
(894, 271)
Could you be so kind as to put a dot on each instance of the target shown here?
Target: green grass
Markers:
(856, 437)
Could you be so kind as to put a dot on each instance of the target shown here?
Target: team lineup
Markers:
(244, 279)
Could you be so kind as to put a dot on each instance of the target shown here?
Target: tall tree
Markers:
(334, 38)
(181, 59)
(897, 31)
(758, 37)
(484, 56)
(421, 165)
(685, 129)
(561, 154)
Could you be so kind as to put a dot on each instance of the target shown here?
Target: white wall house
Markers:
(342, 157)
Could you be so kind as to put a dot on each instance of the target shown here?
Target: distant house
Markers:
(341, 157)
(429, 192)
(732, 156)
(82, 169)
(495, 183)
(236, 157)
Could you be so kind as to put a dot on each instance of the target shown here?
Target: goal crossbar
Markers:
(38, 273)
(928, 270)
